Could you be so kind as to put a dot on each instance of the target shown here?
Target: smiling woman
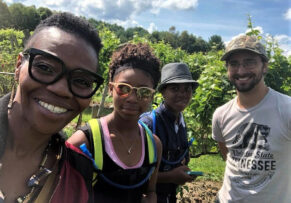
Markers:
(56, 76)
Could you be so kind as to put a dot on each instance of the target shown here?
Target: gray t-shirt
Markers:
(258, 167)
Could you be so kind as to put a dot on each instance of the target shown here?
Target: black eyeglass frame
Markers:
(32, 52)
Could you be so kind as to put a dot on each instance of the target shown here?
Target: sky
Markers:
(202, 18)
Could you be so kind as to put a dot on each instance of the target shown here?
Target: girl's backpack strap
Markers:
(97, 142)
(152, 161)
(153, 114)
(152, 148)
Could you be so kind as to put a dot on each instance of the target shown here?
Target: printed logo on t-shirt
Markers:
(250, 158)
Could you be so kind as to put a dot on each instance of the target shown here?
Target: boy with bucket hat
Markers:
(167, 122)
(253, 130)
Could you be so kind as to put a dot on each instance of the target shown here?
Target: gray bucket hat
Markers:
(245, 42)
(176, 73)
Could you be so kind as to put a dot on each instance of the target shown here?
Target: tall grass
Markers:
(211, 165)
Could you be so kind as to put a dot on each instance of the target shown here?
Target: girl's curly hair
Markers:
(135, 56)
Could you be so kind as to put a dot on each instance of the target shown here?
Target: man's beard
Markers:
(245, 88)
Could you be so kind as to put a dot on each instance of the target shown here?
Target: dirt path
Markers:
(200, 192)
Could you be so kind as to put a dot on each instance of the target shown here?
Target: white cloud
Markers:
(108, 9)
(122, 10)
(127, 23)
(287, 15)
(282, 38)
(98, 9)
(53, 3)
(173, 5)
(284, 42)
(152, 28)
(176, 4)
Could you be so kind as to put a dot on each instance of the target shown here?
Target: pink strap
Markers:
(110, 149)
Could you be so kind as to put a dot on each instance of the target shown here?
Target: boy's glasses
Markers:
(124, 90)
(47, 69)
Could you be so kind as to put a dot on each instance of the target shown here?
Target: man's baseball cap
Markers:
(176, 73)
(245, 42)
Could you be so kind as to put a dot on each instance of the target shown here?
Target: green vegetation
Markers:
(211, 165)
(202, 57)
(10, 45)
(71, 127)
(86, 116)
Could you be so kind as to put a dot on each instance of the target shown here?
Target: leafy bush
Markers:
(10, 46)
(213, 91)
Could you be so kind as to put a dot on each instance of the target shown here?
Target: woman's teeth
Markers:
(52, 108)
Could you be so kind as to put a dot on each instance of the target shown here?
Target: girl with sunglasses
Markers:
(56, 76)
(130, 155)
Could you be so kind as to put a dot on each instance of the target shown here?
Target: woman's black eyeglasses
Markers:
(47, 69)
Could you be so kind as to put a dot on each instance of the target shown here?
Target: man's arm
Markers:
(217, 134)
(223, 150)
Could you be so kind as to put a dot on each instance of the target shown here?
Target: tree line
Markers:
(26, 18)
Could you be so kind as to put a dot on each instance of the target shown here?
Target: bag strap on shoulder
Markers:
(97, 142)
(96, 130)
(153, 115)
(152, 148)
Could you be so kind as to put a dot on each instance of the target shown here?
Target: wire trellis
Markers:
(6, 73)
